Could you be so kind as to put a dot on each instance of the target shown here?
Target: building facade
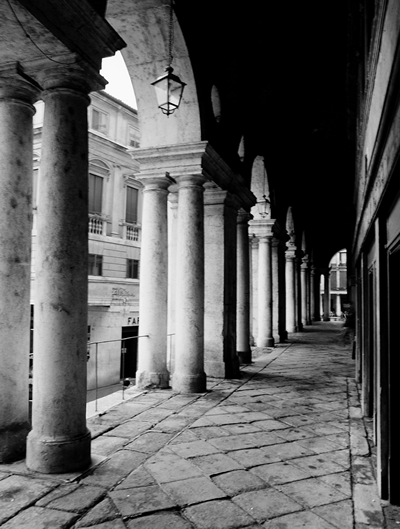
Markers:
(114, 236)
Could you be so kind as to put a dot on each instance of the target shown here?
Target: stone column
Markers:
(59, 440)
(265, 338)
(243, 288)
(220, 214)
(338, 306)
(298, 293)
(152, 359)
(303, 278)
(254, 282)
(312, 294)
(326, 296)
(275, 289)
(172, 239)
(290, 256)
(189, 376)
(16, 154)
(282, 293)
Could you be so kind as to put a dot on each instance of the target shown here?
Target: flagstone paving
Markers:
(282, 447)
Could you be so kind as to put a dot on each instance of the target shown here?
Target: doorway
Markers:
(129, 352)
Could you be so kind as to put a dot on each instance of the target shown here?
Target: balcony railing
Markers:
(130, 231)
(96, 224)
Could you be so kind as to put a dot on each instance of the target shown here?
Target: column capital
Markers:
(74, 74)
(154, 183)
(14, 84)
(215, 195)
(290, 252)
(262, 227)
(244, 217)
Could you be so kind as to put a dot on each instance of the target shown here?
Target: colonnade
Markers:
(200, 270)
(58, 439)
(201, 298)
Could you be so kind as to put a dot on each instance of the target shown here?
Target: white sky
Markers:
(119, 82)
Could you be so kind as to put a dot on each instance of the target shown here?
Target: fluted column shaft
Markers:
(59, 440)
(16, 134)
(189, 376)
(152, 360)
(243, 289)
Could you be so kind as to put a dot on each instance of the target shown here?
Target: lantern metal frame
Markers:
(169, 88)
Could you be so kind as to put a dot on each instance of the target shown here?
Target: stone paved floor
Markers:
(282, 447)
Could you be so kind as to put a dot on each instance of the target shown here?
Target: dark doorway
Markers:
(129, 352)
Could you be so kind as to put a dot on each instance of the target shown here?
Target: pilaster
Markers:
(243, 338)
(220, 214)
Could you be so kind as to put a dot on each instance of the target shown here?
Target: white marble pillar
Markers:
(16, 133)
(327, 298)
(172, 240)
(265, 337)
(220, 214)
(189, 375)
(243, 288)
(303, 278)
(290, 256)
(152, 369)
(59, 440)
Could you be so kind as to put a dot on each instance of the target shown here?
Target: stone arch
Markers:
(144, 27)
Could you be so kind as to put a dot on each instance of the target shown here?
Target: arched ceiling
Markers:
(280, 69)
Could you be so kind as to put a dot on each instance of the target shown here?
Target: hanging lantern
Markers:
(169, 90)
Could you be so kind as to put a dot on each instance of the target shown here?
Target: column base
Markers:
(244, 357)
(326, 318)
(232, 369)
(214, 369)
(265, 342)
(58, 456)
(13, 442)
(148, 380)
(189, 383)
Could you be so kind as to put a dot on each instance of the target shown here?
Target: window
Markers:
(132, 268)
(95, 265)
(131, 205)
(99, 121)
(133, 137)
(95, 193)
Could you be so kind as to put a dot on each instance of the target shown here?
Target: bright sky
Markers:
(119, 82)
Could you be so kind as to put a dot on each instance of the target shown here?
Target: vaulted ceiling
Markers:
(282, 72)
